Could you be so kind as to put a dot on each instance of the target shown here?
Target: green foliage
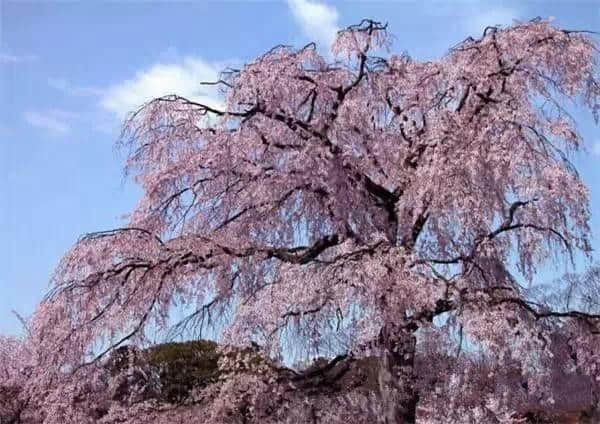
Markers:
(172, 370)
(184, 366)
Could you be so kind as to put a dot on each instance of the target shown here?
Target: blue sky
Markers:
(70, 71)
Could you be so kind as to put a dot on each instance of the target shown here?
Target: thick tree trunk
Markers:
(396, 378)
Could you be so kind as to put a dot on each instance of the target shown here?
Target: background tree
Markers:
(349, 204)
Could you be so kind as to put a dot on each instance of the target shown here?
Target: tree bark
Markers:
(397, 378)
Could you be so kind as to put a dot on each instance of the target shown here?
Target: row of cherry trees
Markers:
(375, 206)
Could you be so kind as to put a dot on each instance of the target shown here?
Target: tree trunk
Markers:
(396, 378)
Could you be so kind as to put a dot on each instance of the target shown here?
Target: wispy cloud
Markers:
(74, 90)
(182, 78)
(318, 21)
(475, 25)
(11, 58)
(54, 122)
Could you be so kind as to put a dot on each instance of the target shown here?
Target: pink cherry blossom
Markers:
(372, 207)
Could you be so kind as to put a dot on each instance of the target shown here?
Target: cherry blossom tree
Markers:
(13, 372)
(375, 206)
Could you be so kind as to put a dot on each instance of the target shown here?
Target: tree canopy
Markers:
(373, 206)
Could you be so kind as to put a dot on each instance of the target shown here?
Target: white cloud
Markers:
(493, 16)
(55, 122)
(11, 58)
(73, 90)
(318, 21)
(159, 80)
